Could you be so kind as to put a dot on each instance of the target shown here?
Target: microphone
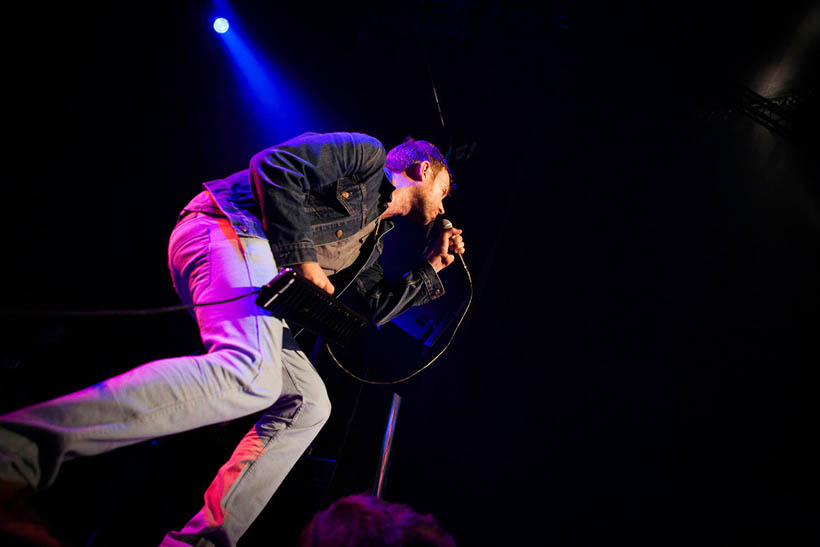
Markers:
(437, 226)
(446, 225)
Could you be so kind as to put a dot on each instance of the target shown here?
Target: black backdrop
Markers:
(640, 361)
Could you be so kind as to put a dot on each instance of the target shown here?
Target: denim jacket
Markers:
(318, 188)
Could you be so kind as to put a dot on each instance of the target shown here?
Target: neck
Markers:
(400, 201)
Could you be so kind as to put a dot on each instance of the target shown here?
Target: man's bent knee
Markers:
(316, 408)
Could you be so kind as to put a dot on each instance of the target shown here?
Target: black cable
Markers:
(114, 313)
(435, 96)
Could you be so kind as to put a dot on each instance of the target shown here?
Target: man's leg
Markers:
(240, 374)
(263, 458)
(245, 370)
(259, 464)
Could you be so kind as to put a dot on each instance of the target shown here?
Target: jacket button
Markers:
(339, 233)
(345, 195)
(438, 292)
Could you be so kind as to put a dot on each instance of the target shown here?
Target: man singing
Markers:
(318, 203)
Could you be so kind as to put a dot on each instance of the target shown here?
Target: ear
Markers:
(424, 169)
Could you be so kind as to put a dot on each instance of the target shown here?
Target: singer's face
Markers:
(430, 193)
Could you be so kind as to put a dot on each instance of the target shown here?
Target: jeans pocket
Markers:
(188, 251)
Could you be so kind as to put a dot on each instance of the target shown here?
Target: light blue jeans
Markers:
(252, 364)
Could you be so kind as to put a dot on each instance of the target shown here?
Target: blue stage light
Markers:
(273, 100)
(221, 25)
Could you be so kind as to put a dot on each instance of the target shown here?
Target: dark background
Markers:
(640, 361)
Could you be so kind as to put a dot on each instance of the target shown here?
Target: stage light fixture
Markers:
(221, 25)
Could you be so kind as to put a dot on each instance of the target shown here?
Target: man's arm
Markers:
(422, 284)
(386, 300)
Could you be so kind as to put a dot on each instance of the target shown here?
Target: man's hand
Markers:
(314, 272)
(444, 248)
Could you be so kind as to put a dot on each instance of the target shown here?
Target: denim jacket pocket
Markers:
(335, 202)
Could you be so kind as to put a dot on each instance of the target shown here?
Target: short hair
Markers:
(364, 520)
(411, 152)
